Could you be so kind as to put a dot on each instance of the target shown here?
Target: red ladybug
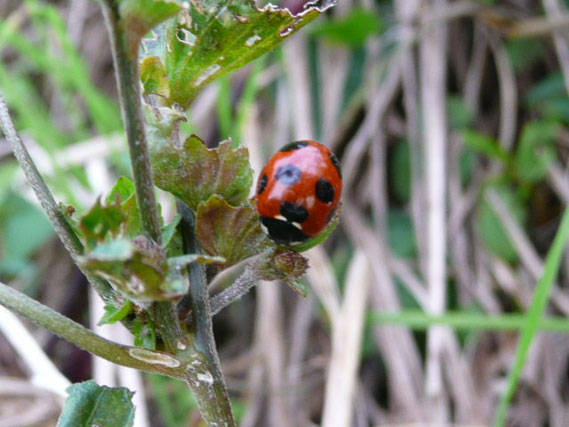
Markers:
(298, 192)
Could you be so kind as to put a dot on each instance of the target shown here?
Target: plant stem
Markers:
(46, 199)
(132, 357)
(164, 315)
(215, 408)
(125, 58)
(48, 203)
(240, 287)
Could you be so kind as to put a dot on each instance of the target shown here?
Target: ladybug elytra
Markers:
(298, 192)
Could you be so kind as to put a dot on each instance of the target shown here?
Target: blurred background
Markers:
(449, 119)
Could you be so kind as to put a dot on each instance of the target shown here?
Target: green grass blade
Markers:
(534, 315)
(467, 321)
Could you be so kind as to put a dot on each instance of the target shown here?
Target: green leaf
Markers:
(137, 268)
(140, 16)
(483, 144)
(233, 233)
(154, 78)
(122, 191)
(115, 314)
(119, 216)
(90, 404)
(194, 173)
(212, 38)
(352, 29)
(536, 150)
(100, 222)
(322, 237)
(144, 332)
(489, 227)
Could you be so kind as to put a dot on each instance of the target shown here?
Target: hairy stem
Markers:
(132, 357)
(48, 203)
(214, 407)
(240, 287)
(46, 199)
(125, 57)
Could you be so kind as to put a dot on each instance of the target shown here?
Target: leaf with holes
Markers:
(118, 216)
(231, 232)
(212, 38)
(194, 173)
(136, 268)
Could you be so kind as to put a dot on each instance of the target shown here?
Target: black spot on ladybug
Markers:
(293, 212)
(282, 232)
(324, 191)
(288, 174)
(293, 146)
(336, 163)
(263, 184)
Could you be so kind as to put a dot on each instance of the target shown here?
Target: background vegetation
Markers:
(449, 118)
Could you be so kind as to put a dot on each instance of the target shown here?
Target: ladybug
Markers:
(298, 192)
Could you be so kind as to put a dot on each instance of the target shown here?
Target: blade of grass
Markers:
(67, 70)
(247, 99)
(103, 110)
(224, 108)
(470, 321)
(534, 316)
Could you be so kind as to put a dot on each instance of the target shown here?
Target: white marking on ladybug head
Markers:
(280, 218)
(297, 225)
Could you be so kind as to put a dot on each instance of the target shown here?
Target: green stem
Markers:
(216, 407)
(48, 203)
(46, 199)
(132, 357)
(166, 320)
(125, 57)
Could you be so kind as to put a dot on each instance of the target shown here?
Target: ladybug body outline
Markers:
(298, 192)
